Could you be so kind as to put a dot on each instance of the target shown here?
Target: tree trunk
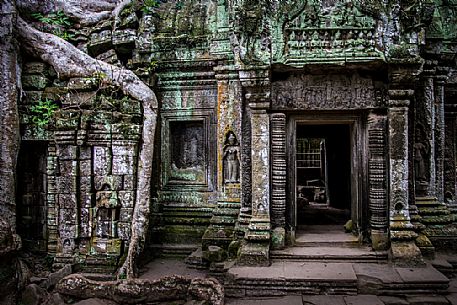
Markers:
(68, 61)
(9, 146)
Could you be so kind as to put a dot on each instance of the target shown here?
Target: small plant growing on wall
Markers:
(42, 111)
(59, 22)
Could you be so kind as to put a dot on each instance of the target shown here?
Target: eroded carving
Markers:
(231, 160)
(323, 92)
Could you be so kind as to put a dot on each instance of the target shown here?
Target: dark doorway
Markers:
(323, 174)
(31, 195)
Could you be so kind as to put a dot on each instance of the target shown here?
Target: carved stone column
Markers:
(278, 179)
(439, 136)
(256, 250)
(424, 141)
(221, 231)
(450, 155)
(403, 247)
(377, 167)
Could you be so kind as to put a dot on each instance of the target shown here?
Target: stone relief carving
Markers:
(187, 151)
(231, 159)
(106, 212)
(326, 92)
(329, 29)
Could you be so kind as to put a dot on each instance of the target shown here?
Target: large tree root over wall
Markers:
(135, 291)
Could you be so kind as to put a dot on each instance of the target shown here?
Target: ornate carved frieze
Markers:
(326, 92)
(329, 31)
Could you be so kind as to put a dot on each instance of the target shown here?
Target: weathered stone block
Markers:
(85, 152)
(123, 165)
(31, 97)
(85, 167)
(100, 42)
(102, 160)
(69, 231)
(67, 184)
(83, 84)
(34, 82)
(68, 120)
(125, 215)
(80, 99)
(114, 182)
(55, 93)
(129, 182)
(68, 167)
(67, 152)
(67, 201)
(34, 67)
(85, 184)
(122, 39)
(126, 198)
(124, 230)
(87, 200)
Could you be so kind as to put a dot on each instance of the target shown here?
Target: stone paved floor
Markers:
(163, 267)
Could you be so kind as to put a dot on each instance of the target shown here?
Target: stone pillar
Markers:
(256, 249)
(403, 248)
(424, 140)
(222, 229)
(377, 168)
(278, 179)
(439, 136)
(450, 155)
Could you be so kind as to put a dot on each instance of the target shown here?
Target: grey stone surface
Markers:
(390, 300)
(363, 300)
(419, 275)
(323, 300)
(427, 300)
(288, 300)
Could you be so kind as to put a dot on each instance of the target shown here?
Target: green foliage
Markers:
(152, 66)
(149, 6)
(42, 111)
(59, 21)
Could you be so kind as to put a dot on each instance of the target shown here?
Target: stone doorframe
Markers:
(283, 129)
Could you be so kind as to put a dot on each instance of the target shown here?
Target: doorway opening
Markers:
(323, 174)
(31, 210)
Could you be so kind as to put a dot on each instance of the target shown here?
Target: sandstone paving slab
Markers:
(452, 285)
(421, 275)
(287, 300)
(363, 300)
(275, 271)
(452, 298)
(382, 272)
(323, 300)
(159, 268)
(427, 300)
(391, 300)
(311, 271)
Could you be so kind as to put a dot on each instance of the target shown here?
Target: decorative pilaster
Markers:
(403, 247)
(377, 167)
(439, 135)
(221, 232)
(256, 249)
(278, 178)
(450, 155)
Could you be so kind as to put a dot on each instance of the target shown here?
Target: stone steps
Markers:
(330, 254)
(173, 250)
(319, 278)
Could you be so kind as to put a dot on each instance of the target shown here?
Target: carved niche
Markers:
(185, 150)
(326, 92)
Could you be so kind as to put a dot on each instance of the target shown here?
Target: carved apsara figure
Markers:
(231, 161)
(420, 151)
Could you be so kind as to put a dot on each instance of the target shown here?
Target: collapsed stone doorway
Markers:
(327, 172)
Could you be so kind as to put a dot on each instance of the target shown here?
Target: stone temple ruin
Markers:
(274, 119)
